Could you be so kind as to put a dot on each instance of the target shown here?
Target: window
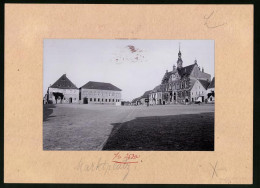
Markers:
(109, 100)
(113, 100)
(98, 99)
(94, 99)
(106, 100)
(102, 100)
(90, 99)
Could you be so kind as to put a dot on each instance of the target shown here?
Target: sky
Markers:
(134, 66)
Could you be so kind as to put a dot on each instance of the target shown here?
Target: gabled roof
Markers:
(186, 70)
(146, 94)
(63, 83)
(100, 86)
(204, 83)
(166, 77)
(212, 84)
(192, 82)
(157, 89)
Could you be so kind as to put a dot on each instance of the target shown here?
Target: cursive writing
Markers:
(102, 166)
(209, 18)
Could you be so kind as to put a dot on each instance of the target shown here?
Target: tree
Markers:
(58, 95)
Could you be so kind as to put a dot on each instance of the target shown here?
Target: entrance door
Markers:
(85, 101)
(70, 100)
(202, 98)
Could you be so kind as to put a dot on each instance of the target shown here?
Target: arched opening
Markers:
(70, 100)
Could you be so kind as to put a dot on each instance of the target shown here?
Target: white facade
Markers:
(198, 91)
(97, 96)
(70, 95)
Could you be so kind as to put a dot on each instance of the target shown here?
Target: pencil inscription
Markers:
(209, 18)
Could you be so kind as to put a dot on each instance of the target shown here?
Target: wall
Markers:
(197, 91)
(68, 93)
(95, 96)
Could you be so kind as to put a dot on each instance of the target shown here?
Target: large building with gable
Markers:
(63, 91)
(183, 84)
(99, 93)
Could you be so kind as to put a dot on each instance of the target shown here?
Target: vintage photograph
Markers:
(138, 95)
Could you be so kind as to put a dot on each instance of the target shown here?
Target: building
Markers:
(125, 103)
(144, 99)
(199, 90)
(155, 96)
(99, 93)
(183, 85)
(63, 91)
(136, 101)
(211, 92)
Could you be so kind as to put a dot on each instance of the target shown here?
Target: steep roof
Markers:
(186, 70)
(212, 83)
(100, 86)
(166, 76)
(192, 82)
(146, 94)
(204, 83)
(63, 83)
(157, 89)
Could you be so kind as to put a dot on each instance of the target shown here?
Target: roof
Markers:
(212, 84)
(100, 86)
(136, 99)
(63, 83)
(186, 70)
(157, 89)
(192, 82)
(146, 94)
(204, 83)
(166, 76)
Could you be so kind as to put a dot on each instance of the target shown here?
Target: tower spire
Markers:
(179, 61)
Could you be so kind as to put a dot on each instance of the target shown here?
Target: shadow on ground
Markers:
(47, 111)
(189, 132)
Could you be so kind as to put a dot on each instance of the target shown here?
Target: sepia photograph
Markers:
(134, 95)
